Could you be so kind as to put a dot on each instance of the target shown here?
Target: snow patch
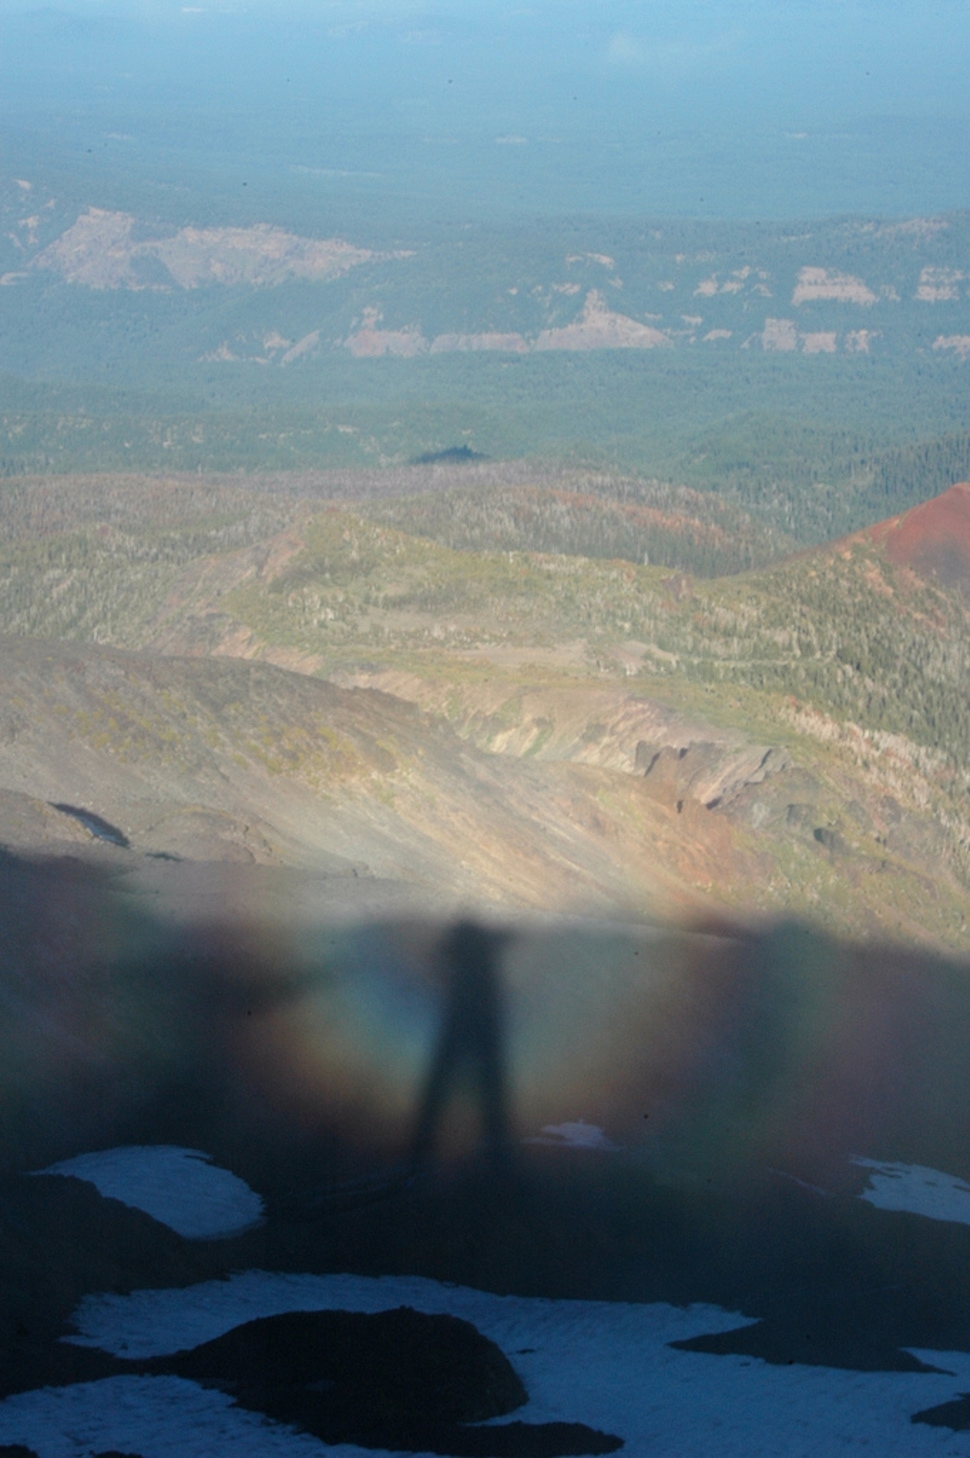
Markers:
(917, 1190)
(156, 1417)
(576, 1136)
(158, 1322)
(180, 1188)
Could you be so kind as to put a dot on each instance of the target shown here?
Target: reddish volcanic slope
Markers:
(933, 539)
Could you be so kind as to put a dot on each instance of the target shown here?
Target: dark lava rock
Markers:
(955, 1414)
(59, 1240)
(18, 1450)
(367, 1368)
(783, 1342)
(399, 1380)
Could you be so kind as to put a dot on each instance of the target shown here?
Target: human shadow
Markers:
(471, 1044)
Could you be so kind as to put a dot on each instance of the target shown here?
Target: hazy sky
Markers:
(799, 60)
(306, 81)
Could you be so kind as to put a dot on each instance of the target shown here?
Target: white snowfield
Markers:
(607, 1364)
(181, 1188)
(917, 1190)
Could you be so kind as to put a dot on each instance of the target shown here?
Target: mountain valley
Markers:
(269, 674)
(484, 729)
(521, 565)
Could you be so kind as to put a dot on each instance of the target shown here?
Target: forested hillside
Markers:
(843, 630)
(516, 608)
(580, 513)
(792, 468)
(811, 374)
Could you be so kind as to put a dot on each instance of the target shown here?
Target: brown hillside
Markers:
(932, 539)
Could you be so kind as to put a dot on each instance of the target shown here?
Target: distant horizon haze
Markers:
(699, 110)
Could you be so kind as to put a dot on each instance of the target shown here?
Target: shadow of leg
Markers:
(470, 1043)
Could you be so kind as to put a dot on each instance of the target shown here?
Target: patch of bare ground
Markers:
(786, 804)
(572, 797)
(216, 759)
(932, 539)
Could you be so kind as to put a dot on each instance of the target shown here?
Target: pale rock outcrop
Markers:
(371, 342)
(599, 327)
(475, 343)
(816, 284)
(102, 250)
(937, 285)
(959, 343)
